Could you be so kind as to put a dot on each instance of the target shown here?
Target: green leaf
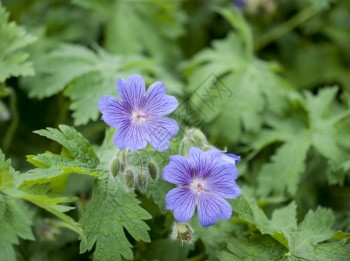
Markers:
(227, 79)
(337, 251)
(248, 210)
(283, 173)
(14, 222)
(298, 242)
(256, 247)
(111, 210)
(13, 62)
(7, 173)
(12, 188)
(315, 122)
(88, 75)
(77, 156)
(315, 228)
(215, 237)
(123, 21)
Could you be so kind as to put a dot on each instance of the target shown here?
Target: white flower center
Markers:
(139, 117)
(198, 186)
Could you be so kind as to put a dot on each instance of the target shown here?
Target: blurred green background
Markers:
(268, 80)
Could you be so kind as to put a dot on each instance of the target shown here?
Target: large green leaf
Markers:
(13, 61)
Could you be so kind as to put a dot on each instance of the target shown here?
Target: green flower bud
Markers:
(199, 135)
(129, 178)
(115, 166)
(152, 169)
(142, 182)
(122, 166)
(183, 232)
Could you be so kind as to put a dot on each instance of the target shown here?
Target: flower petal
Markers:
(183, 202)
(230, 158)
(156, 102)
(211, 207)
(222, 181)
(160, 131)
(204, 162)
(131, 90)
(178, 171)
(113, 111)
(131, 136)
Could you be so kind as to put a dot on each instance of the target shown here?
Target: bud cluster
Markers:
(130, 170)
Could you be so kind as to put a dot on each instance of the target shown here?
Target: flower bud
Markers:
(129, 178)
(115, 166)
(183, 232)
(152, 169)
(123, 166)
(142, 182)
(199, 135)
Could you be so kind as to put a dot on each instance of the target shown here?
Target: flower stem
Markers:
(14, 123)
(140, 159)
(285, 27)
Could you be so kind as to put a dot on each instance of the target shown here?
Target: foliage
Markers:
(13, 61)
(267, 81)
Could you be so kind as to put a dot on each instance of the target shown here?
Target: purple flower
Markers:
(205, 180)
(139, 115)
(230, 158)
(239, 3)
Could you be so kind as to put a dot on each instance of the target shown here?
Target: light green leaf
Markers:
(77, 156)
(13, 62)
(7, 173)
(248, 210)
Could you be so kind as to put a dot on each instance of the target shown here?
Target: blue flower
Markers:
(139, 114)
(204, 180)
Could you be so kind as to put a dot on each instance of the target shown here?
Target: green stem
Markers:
(140, 159)
(286, 27)
(14, 123)
(149, 156)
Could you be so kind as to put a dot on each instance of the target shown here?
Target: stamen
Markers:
(139, 117)
(198, 186)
